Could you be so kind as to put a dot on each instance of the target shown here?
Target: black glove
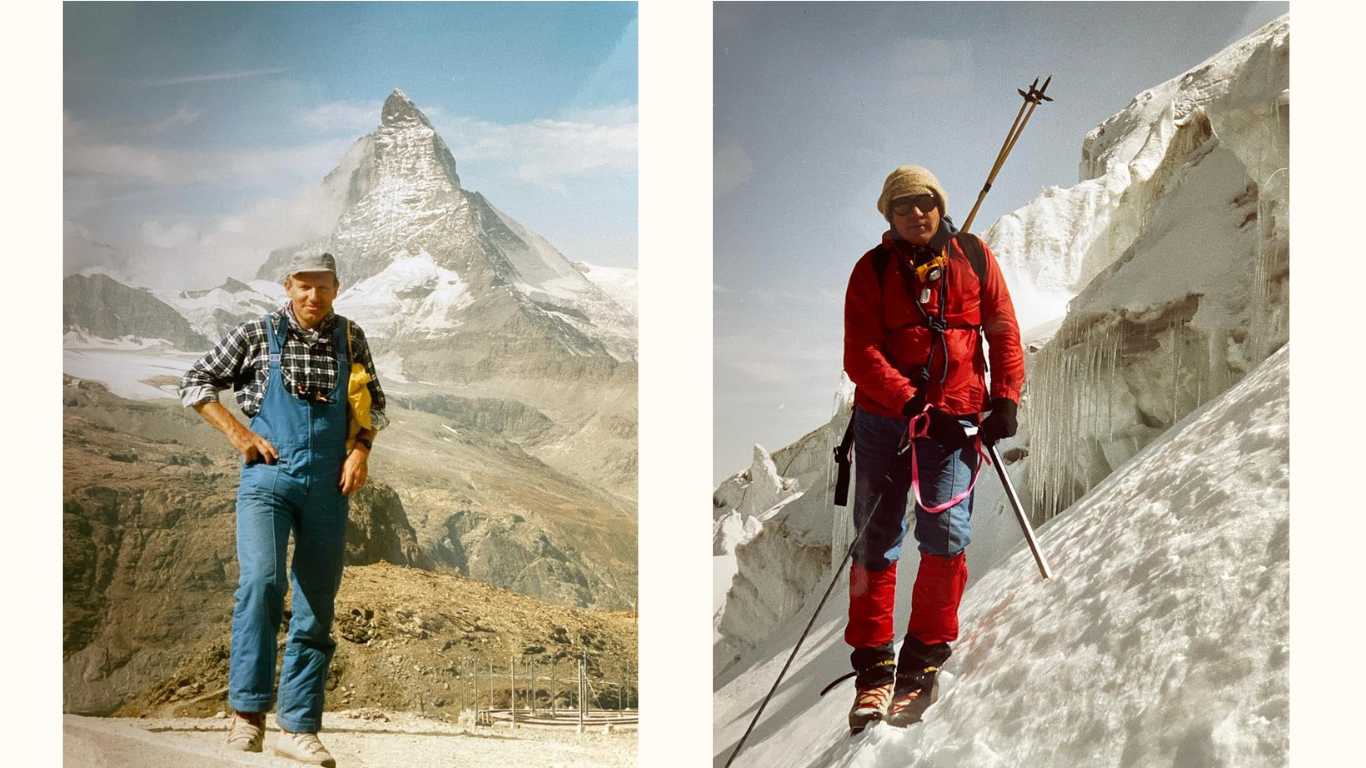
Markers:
(913, 406)
(943, 428)
(1001, 422)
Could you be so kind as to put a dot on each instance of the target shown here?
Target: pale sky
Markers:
(815, 103)
(194, 132)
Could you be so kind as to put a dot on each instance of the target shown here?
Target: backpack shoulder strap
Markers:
(880, 257)
(972, 248)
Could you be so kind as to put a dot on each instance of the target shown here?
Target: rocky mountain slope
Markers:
(149, 567)
(97, 304)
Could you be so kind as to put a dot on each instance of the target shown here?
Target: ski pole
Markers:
(852, 545)
(1044, 570)
(1032, 98)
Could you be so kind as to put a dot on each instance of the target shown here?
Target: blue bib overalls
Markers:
(299, 492)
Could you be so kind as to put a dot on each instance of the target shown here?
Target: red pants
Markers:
(934, 601)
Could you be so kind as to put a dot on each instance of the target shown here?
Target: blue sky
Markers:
(195, 131)
(816, 103)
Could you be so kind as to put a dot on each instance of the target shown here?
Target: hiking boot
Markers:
(247, 731)
(914, 694)
(875, 670)
(304, 747)
(869, 706)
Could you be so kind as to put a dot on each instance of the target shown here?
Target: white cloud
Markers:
(215, 76)
(616, 114)
(157, 235)
(201, 255)
(349, 117)
(547, 151)
(85, 155)
(181, 118)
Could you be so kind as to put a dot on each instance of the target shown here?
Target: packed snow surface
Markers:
(1162, 639)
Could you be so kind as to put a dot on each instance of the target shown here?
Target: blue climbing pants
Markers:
(943, 475)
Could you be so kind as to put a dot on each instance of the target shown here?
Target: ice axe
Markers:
(1032, 98)
(1020, 516)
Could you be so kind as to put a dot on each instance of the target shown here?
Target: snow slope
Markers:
(1162, 640)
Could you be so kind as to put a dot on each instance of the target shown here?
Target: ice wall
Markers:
(1051, 248)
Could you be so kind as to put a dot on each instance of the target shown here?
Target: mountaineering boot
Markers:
(869, 706)
(917, 680)
(874, 670)
(304, 747)
(246, 731)
(913, 697)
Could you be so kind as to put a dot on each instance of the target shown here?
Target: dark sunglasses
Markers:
(903, 205)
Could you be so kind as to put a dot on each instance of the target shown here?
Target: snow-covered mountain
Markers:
(1148, 290)
(97, 306)
(419, 256)
(215, 311)
(453, 293)
(620, 283)
(445, 271)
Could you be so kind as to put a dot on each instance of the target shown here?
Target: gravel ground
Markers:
(365, 738)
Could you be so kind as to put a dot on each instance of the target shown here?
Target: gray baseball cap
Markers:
(311, 262)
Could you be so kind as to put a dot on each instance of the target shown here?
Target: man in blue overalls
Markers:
(291, 370)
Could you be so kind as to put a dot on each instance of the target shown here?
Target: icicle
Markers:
(1175, 371)
(1072, 404)
(1266, 322)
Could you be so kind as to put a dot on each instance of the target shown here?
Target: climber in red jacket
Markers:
(915, 313)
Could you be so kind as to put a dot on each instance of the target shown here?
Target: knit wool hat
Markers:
(909, 180)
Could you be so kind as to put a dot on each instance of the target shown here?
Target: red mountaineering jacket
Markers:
(886, 338)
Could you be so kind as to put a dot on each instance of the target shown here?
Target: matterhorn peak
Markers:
(400, 110)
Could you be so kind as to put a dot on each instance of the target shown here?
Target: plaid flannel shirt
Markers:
(308, 363)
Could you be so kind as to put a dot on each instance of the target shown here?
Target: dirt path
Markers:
(355, 739)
